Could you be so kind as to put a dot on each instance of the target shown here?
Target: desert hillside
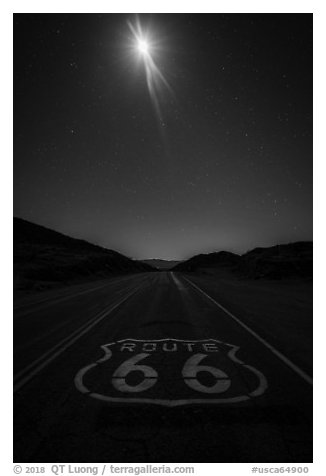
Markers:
(275, 262)
(43, 256)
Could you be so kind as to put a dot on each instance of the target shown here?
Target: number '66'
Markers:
(189, 372)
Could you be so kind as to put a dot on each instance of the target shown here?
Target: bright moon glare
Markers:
(154, 77)
(143, 47)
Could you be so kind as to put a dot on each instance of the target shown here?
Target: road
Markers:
(152, 368)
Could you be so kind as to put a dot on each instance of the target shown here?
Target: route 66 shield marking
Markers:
(170, 372)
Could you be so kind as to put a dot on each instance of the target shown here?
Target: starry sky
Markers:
(224, 164)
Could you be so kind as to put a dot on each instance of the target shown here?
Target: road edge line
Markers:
(45, 303)
(269, 346)
(73, 338)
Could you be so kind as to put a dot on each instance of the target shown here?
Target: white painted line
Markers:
(53, 330)
(46, 303)
(61, 293)
(39, 305)
(32, 364)
(37, 365)
(276, 352)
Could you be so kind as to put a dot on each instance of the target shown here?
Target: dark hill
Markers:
(280, 261)
(43, 256)
(275, 262)
(210, 260)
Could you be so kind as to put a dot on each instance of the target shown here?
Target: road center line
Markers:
(276, 352)
(37, 365)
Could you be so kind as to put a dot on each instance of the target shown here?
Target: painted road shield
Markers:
(170, 372)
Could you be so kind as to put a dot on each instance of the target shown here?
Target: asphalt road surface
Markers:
(151, 368)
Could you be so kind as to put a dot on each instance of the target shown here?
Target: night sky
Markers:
(213, 152)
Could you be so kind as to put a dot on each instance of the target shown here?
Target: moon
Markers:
(145, 43)
(143, 46)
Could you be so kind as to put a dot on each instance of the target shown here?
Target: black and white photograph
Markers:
(163, 238)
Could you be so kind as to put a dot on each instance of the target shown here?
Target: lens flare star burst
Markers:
(143, 47)
(156, 82)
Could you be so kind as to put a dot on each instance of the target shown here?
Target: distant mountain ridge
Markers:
(42, 256)
(161, 263)
(275, 262)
